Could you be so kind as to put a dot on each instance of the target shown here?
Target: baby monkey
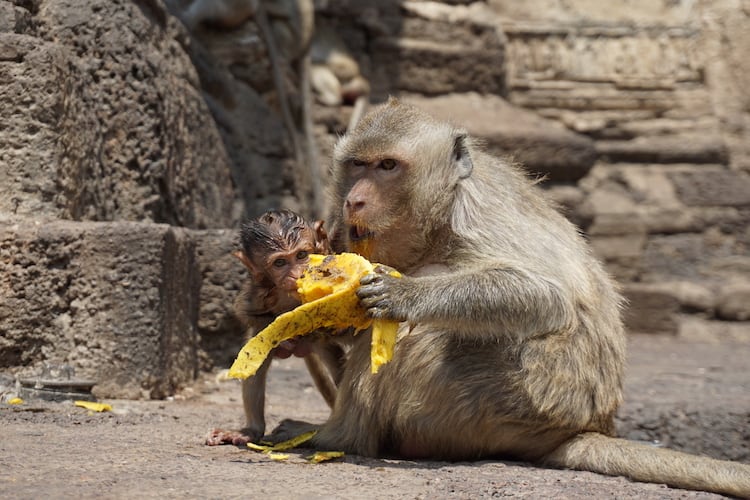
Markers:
(275, 250)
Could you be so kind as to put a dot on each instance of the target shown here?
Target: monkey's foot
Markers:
(218, 437)
(289, 429)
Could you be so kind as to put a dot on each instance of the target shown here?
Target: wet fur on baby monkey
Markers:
(275, 249)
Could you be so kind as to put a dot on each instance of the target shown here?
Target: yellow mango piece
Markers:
(271, 449)
(259, 447)
(323, 456)
(89, 405)
(284, 445)
(294, 442)
(15, 401)
(329, 300)
(383, 339)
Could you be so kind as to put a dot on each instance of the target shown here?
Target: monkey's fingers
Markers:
(372, 292)
(376, 296)
(374, 299)
(383, 269)
(369, 279)
(379, 311)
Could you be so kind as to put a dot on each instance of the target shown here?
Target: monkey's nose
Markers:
(354, 206)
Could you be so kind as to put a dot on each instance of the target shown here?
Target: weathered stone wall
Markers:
(134, 136)
(119, 127)
(104, 119)
(667, 204)
(452, 61)
(118, 301)
(261, 121)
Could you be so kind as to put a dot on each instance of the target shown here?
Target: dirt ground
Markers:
(691, 393)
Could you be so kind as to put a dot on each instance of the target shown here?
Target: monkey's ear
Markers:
(461, 157)
(242, 256)
(256, 272)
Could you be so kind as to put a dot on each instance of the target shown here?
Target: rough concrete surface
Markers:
(149, 449)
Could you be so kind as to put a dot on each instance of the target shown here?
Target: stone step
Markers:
(543, 146)
(678, 148)
(118, 301)
(433, 49)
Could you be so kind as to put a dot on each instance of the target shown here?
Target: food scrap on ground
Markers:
(324, 456)
(316, 458)
(89, 405)
(15, 401)
(329, 300)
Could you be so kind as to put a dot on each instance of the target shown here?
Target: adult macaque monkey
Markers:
(275, 249)
(511, 344)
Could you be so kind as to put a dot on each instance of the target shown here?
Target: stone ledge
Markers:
(437, 49)
(540, 145)
(116, 300)
(666, 149)
(713, 187)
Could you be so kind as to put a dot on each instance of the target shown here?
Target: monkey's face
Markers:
(395, 176)
(374, 189)
(284, 267)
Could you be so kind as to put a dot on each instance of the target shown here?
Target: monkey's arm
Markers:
(499, 299)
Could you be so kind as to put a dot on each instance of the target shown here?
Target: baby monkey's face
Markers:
(284, 267)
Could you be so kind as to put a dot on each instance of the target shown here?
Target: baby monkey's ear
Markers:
(322, 245)
(244, 259)
(252, 268)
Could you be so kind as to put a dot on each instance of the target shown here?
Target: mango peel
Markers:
(90, 405)
(271, 450)
(329, 300)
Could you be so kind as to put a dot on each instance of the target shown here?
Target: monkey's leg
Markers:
(320, 374)
(353, 425)
(253, 399)
(333, 356)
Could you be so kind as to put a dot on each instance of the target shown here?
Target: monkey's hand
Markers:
(381, 294)
(328, 292)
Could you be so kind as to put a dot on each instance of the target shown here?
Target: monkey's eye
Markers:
(388, 164)
(302, 254)
(279, 263)
(358, 163)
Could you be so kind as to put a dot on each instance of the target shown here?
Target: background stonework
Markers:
(134, 138)
(635, 112)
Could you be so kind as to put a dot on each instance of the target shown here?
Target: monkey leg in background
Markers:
(516, 349)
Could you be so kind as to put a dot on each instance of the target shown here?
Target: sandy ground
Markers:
(693, 394)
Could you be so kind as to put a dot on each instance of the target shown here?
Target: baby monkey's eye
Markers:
(279, 263)
(302, 254)
(388, 164)
(358, 163)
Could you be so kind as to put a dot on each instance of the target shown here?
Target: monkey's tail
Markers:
(618, 457)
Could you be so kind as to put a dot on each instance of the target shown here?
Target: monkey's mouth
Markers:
(359, 233)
